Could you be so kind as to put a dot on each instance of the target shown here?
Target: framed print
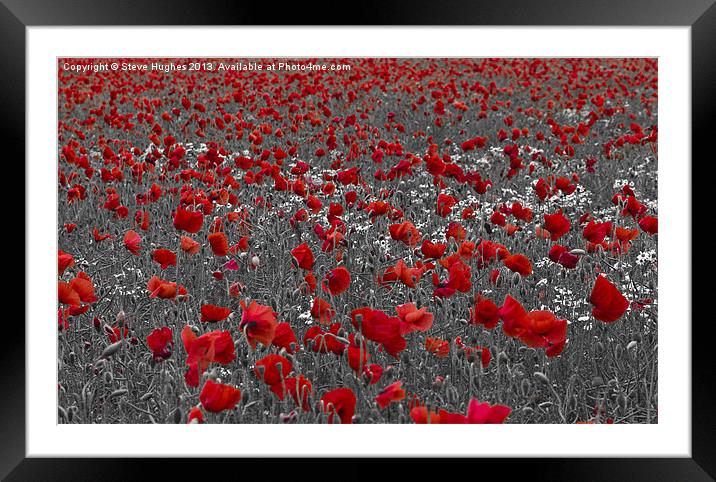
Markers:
(428, 236)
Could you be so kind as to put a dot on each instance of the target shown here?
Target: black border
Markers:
(700, 15)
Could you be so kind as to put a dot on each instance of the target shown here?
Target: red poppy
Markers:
(485, 312)
(161, 342)
(519, 263)
(556, 224)
(164, 257)
(132, 242)
(215, 346)
(82, 285)
(649, 224)
(437, 346)
(159, 288)
(272, 369)
(596, 232)
(322, 311)
(413, 319)
(64, 261)
(300, 389)
(336, 281)
(405, 232)
(66, 295)
(433, 250)
(285, 338)
(195, 416)
(303, 256)
(217, 397)
(189, 221)
(379, 327)
(211, 313)
(219, 244)
(340, 402)
(485, 413)
(392, 393)
(258, 322)
(609, 303)
(189, 246)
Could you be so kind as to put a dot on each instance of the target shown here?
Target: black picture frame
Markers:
(700, 15)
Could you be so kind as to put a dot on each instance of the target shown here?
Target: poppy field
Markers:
(357, 240)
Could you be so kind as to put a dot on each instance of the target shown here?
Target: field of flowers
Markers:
(400, 241)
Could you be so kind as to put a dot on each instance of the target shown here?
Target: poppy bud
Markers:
(255, 261)
(621, 401)
(111, 349)
(525, 387)
(107, 378)
(618, 351)
(541, 377)
(599, 348)
(632, 344)
(61, 413)
(516, 277)
(597, 381)
(120, 318)
(244, 397)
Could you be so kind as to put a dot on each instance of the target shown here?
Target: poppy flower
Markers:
(285, 338)
(214, 346)
(556, 224)
(405, 232)
(132, 242)
(340, 402)
(195, 416)
(219, 244)
(164, 257)
(66, 295)
(217, 397)
(484, 313)
(64, 261)
(161, 342)
(159, 288)
(189, 246)
(596, 232)
(609, 303)
(82, 285)
(272, 369)
(336, 281)
(437, 346)
(212, 313)
(189, 221)
(373, 373)
(485, 413)
(649, 224)
(432, 250)
(303, 256)
(421, 415)
(519, 263)
(413, 319)
(258, 322)
(379, 327)
(390, 394)
(322, 311)
(300, 389)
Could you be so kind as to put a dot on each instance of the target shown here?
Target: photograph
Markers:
(357, 240)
